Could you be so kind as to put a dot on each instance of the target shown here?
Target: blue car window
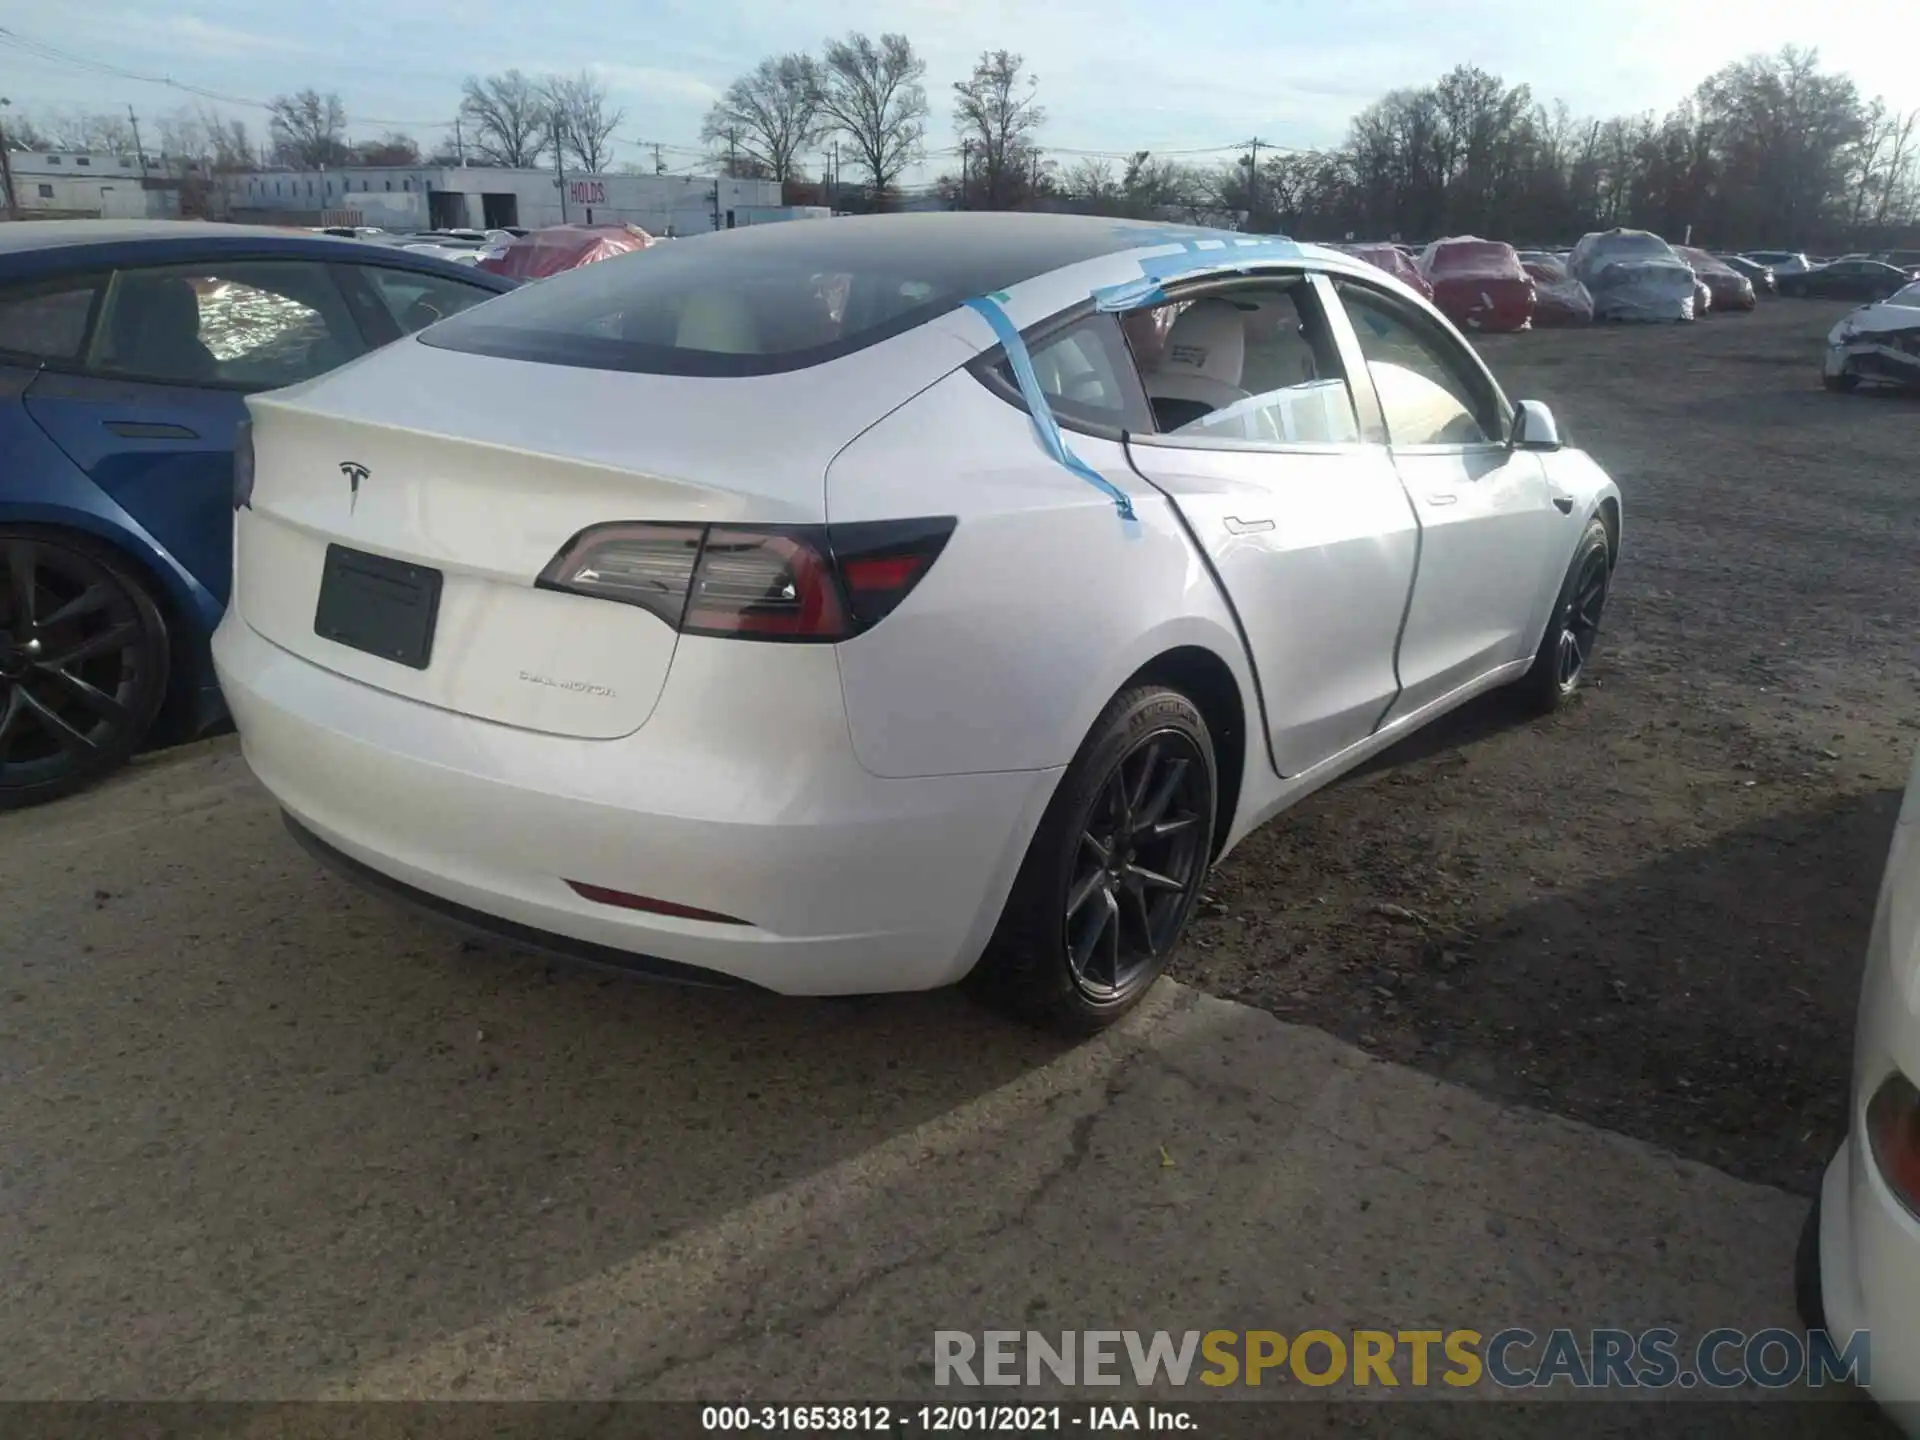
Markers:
(250, 324)
(47, 321)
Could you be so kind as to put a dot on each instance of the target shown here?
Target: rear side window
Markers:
(416, 301)
(1086, 374)
(47, 321)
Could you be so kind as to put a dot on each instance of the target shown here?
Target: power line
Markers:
(41, 50)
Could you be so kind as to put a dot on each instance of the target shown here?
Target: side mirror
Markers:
(1534, 427)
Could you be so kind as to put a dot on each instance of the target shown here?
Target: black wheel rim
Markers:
(1580, 619)
(70, 661)
(1137, 866)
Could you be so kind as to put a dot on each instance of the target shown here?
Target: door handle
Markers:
(1563, 503)
(1441, 497)
(1236, 526)
(151, 430)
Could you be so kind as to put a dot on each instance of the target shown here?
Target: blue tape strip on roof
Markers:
(1199, 250)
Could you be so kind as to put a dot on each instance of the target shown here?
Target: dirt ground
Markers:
(1649, 912)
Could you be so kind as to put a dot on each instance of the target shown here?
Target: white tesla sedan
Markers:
(864, 606)
(1859, 1264)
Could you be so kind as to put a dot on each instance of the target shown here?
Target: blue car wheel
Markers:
(83, 664)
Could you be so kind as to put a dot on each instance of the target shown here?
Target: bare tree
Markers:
(393, 148)
(997, 116)
(509, 119)
(99, 131)
(872, 95)
(580, 121)
(769, 115)
(308, 129)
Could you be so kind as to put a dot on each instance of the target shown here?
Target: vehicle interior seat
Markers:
(156, 330)
(1200, 369)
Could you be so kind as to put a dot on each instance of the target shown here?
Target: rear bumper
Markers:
(740, 796)
(1870, 1277)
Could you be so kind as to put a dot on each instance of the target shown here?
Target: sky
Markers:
(1115, 75)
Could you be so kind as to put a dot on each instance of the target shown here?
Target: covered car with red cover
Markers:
(1395, 261)
(1559, 299)
(1727, 287)
(1479, 284)
(555, 248)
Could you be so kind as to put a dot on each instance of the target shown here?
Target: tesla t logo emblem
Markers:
(355, 473)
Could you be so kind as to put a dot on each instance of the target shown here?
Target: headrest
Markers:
(1208, 341)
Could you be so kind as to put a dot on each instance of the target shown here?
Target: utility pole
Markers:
(733, 159)
(559, 165)
(459, 142)
(134, 120)
(966, 157)
(1253, 179)
(6, 167)
(659, 165)
(716, 205)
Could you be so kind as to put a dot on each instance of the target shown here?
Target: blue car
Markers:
(126, 353)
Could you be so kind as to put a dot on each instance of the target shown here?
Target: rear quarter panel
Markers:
(1042, 604)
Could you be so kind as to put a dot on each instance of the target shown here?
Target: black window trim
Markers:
(1420, 321)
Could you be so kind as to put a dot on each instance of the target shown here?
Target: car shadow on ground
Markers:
(280, 1086)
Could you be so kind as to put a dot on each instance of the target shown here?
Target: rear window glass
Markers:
(775, 297)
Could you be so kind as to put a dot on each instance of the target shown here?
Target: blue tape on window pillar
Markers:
(1046, 429)
(1199, 250)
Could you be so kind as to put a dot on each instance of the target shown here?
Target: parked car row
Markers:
(1623, 274)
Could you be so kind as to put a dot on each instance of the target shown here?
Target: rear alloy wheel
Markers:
(83, 664)
(1561, 662)
(1113, 872)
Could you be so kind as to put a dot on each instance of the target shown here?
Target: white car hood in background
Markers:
(1876, 319)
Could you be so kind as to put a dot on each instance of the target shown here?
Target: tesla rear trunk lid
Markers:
(404, 508)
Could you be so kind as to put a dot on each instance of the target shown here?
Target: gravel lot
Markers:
(1649, 912)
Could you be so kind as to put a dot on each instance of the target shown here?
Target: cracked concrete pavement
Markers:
(262, 1136)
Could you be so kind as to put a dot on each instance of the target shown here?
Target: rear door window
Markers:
(1087, 376)
(253, 325)
(417, 300)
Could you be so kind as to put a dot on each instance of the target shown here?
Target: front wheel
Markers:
(1560, 664)
(83, 664)
(1113, 871)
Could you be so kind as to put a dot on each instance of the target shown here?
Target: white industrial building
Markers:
(67, 184)
(436, 197)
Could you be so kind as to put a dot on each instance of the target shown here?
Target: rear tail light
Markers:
(242, 465)
(807, 583)
(1893, 1130)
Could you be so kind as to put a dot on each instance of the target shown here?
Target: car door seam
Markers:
(1413, 584)
(1239, 626)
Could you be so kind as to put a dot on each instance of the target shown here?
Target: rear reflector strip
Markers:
(601, 895)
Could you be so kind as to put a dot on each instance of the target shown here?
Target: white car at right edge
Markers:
(1859, 1262)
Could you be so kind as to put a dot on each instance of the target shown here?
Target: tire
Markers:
(1808, 1297)
(1841, 384)
(84, 656)
(1091, 921)
(1560, 664)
